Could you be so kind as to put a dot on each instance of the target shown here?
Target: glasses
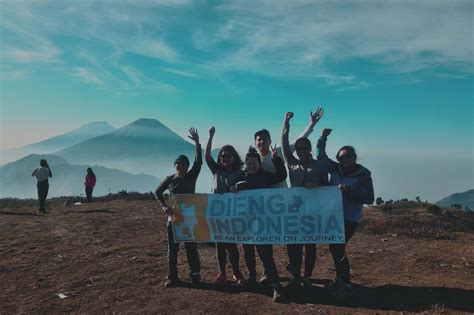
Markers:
(302, 149)
(345, 157)
(226, 156)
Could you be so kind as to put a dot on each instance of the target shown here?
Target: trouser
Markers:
(338, 251)
(43, 188)
(191, 253)
(233, 253)
(295, 255)
(265, 252)
(89, 190)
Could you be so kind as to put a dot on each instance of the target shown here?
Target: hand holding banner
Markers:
(262, 216)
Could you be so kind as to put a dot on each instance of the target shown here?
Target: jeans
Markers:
(265, 252)
(43, 188)
(191, 253)
(233, 253)
(338, 252)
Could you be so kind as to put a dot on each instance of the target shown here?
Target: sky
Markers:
(395, 77)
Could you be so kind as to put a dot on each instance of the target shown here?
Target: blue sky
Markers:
(395, 78)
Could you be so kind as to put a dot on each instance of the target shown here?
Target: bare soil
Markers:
(110, 256)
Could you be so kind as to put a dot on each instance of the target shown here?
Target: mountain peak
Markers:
(146, 122)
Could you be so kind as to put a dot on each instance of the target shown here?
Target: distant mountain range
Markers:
(16, 180)
(143, 146)
(57, 143)
(465, 199)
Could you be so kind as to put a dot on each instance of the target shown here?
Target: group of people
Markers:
(43, 173)
(264, 167)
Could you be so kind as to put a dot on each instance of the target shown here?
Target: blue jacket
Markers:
(361, 189)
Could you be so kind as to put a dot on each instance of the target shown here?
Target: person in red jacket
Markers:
(90, 183)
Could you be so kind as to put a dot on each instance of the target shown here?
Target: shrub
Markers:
(434, 209)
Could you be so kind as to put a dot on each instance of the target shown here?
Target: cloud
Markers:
(307, 38)
(87, 76)
(179, 72)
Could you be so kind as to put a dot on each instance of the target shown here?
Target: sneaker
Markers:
(295, 283)
(196, 279)
(340, 290)
(263, 279)
(239, 278)
(307, 283)
(171, 281)
(221, 279)
(251, 281)
(277, 295)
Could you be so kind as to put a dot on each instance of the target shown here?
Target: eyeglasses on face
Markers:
(345, 157)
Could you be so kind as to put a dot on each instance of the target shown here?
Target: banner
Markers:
(261, 216)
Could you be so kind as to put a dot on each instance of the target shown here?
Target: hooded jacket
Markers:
(361, 189)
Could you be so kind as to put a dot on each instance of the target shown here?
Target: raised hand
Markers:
(212, 131)
(167, 210)
(326, 132)
(314, 118)
(288, 116)
(274, 151)
(193, 135)
(343, 187)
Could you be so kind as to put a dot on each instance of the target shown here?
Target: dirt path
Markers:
(111, 257)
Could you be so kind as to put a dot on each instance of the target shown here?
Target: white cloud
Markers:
(179, 72)
(87, 76)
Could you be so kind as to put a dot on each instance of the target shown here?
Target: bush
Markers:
(434, 209)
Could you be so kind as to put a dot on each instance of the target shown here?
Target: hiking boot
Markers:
(278, 296)
(221, 279)
(171, 281)
(239, 278)
(307, 283)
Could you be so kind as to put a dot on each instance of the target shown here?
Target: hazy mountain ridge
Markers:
(143, 146)
(465, 199)
(16, 179)
(58, 142)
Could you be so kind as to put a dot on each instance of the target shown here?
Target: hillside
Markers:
(465, 199)
(16, 180)
(110, 256)
(143, 146)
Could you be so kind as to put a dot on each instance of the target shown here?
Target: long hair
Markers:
(237, 164)
(90, 172)
(347, 148)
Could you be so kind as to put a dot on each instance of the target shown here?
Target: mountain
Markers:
(465, 199)
(59, 142)
(16, 180)
(143, 146)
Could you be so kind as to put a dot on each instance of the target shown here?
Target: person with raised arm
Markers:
(255, 177)
(225, 171)
(263, 142)
(304, 171)
(355, 183)
(181, 182)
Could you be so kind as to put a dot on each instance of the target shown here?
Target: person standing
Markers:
(355, 183)
(90, 183)
(304, 171)
(225, 171)
(42, 174)
(182, 182)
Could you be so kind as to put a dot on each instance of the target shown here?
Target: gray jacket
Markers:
(312, 171)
